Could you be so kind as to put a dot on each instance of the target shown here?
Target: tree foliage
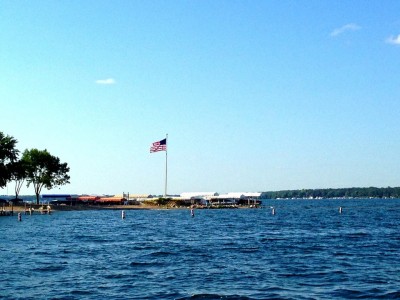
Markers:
(44, 170)
(370, 192)
(8, 155)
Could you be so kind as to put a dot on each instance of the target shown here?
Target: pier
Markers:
(6, 212)
(27, 210)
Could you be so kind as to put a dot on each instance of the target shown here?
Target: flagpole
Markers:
(166, 165)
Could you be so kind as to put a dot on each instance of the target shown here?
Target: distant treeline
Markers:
(370, 192)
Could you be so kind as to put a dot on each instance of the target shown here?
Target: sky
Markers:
(254, 95)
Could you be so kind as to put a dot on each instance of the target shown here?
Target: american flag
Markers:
(159, 146)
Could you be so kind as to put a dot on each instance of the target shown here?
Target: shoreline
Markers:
(55, 208)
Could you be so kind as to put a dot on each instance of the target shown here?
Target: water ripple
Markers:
(306, 251)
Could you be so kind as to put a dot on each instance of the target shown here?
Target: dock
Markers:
(27, 210)
(6, 213)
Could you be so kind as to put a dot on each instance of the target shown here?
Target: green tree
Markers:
(8, 154)
(44, 170)
(18, 170)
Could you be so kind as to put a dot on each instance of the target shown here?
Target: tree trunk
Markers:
(18, 186)
(38, 189)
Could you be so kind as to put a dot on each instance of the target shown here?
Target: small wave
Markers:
(374, 293)
(50, 268)
(271, 239)
(140, 264)
(357, 234)
(391, 295)
(145, 264)
(248, 249)
(40, 253)
(162, 254)
(81, 293)
(340, 253)
(91, 239)
(142, 247)
(346, 293)
(215, 296)
(115, 276)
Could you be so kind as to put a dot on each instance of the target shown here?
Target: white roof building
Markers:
(198, 195)
(243, 195)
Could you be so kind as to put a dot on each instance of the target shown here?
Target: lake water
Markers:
(307, 250)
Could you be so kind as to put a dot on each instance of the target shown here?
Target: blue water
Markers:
(307, 250)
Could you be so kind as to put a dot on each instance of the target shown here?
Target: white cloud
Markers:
(344, 28)
(106, 81)
(394, 40)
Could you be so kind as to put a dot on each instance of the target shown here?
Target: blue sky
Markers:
(254, 95)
